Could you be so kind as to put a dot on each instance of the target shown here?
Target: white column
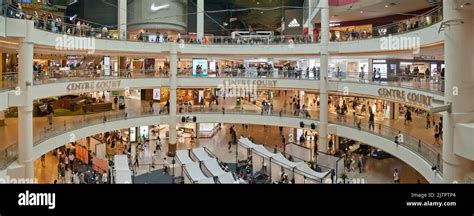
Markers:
(323, 118)
(25, 113)
(310, 24)
(200, 20)
(122, 19)
(459, 76)
(172, 114)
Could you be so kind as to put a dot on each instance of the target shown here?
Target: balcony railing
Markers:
(57, 25)
(424, 150)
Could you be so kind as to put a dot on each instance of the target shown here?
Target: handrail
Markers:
(424, 150)
(411, 143)
(434, 85)
(84, 75)
(104, 33)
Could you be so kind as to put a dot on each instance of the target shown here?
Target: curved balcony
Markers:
(49, 137)
(356, 83)
(345, 42)
(411, 151)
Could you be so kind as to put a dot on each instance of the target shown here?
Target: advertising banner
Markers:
(200, 67)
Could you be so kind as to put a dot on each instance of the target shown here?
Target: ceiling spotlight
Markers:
(73, 17)
(386, 6)
(361, 11)
(258, 2)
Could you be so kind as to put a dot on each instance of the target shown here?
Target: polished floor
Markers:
(375, 171)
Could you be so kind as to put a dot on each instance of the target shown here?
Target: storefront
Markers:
(345, 33)
(208, 130)
(394, 69)
(194, 95)
(135, 94)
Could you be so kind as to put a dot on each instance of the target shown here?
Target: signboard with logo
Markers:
(293, 22)
(93, 86)
(406, 97)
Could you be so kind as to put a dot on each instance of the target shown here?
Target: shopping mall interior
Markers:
(237, 92)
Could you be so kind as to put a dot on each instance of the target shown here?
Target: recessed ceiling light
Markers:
(361, 11)
(386, 6)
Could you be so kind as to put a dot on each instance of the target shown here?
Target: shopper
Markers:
(151, 106)
(165, 166)
(116, 103)
(43, 164)
(436, 135)
(408, 118)
(137, 154)
(396, 177)
(158, 144)
(229, 146)
(428, 121)
(371, 121)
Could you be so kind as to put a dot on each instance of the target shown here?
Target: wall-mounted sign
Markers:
(294, 24)
(157, 8)
(407, 97)
(200, 67)
(250, 82)
(93, 86)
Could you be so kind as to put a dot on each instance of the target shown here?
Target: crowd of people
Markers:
(49, 22)
(73, 171)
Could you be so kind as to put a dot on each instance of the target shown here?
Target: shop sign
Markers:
(407, 97)
(252, 82)
(93, 86)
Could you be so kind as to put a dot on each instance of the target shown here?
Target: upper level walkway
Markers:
(45, 36)
(347, 83)
(65, 129)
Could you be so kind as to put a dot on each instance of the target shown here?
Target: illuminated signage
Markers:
(157, 8)
(408, 97)
(258, 83)
(294, 24)
(93, 86)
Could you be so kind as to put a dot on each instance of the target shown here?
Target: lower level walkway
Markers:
(375, 171)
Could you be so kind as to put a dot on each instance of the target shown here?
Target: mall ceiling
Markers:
(264, 19)
(369, 9)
